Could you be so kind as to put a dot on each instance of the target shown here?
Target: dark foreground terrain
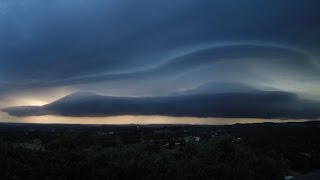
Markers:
(250, 151)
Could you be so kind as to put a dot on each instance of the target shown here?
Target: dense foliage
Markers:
(243, 151)
(67, 158)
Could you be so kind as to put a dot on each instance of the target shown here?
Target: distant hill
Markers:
(256, 104)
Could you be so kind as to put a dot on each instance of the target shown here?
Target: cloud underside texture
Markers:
(256, 104)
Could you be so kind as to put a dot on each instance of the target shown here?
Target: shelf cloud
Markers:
(163, 49)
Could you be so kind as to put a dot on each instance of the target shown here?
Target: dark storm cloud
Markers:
(56, 40)
(257, 104)
(159, 48)
(209, 56)
(202, 56)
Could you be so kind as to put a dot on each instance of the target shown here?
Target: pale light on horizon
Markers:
(138, 119)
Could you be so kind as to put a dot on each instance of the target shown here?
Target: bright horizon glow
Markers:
(139, 119)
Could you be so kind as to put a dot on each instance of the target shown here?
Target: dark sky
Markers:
(153, 48)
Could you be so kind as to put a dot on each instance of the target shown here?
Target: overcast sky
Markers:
(154, 48)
